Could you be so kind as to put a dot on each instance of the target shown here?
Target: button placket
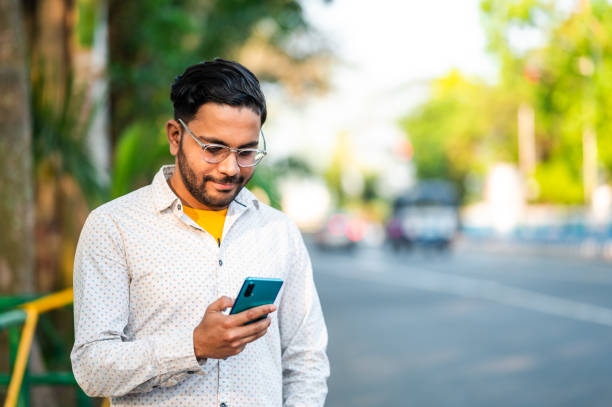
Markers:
(223, 385)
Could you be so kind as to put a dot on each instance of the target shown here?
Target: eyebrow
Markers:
(212, 140)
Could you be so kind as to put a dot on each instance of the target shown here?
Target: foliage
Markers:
(85, 22)
(267, 176)
(465, 126)
(566, 78)
(59, 138)
(153, 41)
(341, 159)
(142, 147)
(67, 181)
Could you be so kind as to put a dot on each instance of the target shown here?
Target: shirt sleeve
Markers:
(303, 333)
(105, 362)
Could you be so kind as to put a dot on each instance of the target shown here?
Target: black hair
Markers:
(217, 81)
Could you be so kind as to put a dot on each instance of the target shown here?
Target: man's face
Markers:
(215, 185)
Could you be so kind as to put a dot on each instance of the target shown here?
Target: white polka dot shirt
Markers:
(144, 274)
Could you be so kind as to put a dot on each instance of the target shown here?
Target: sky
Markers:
(386, 51)
(395, 42)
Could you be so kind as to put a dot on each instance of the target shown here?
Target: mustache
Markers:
(225, 180)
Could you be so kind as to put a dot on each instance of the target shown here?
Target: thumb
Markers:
(221, 304)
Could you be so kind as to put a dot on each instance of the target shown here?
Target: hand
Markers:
(219, 336)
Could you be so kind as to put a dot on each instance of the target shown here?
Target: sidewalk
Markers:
(589, 248)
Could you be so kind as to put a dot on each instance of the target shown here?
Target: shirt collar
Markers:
(165, 197)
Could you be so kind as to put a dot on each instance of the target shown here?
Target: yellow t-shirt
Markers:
(210, 221)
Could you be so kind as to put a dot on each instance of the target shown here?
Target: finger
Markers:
(253, 329)
(254, 337)
(221, 304)
(253, 313)
(239, 349)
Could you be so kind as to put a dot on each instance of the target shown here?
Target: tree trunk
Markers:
(16, 205)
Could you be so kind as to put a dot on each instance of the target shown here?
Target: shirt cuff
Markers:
(175, 353)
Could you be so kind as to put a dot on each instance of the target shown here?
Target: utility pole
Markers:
(584, 6)
(526, 139)
(589, 134)
(527, 150)
(589, 162)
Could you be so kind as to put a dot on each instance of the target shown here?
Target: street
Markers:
(467, 328)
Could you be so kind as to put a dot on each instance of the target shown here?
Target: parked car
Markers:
(341, 231)
(427, 215)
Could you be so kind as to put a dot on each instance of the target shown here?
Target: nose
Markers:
(229, 166)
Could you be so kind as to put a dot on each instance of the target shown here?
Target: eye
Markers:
(214, 149)
(247, 153)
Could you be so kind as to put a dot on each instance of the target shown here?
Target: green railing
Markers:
(19, 316)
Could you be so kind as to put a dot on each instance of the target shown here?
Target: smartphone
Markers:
(256, 291)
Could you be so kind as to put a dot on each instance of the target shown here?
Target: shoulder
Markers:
(138, 198)
(283, 226)
(265, 212)
(273, 214)
(123, 207)
(266, 216)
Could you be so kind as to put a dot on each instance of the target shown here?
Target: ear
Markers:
(173, 131)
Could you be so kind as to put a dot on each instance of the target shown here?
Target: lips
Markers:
(223, 186)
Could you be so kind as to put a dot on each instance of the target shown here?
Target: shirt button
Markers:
(220, 262)
(222, 405)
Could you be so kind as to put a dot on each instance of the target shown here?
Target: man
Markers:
(155, 270)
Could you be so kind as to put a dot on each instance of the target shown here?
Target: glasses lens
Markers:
(215, 154)
(248, 158)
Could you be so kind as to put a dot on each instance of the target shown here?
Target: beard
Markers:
(198, 189)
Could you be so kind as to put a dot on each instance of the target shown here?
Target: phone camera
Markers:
(249, 290)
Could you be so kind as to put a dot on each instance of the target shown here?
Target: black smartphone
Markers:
(256, 291)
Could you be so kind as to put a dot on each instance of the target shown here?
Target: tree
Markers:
(16, 207)
(153, 41)
(565, 78)
(66, 180)
(150, 43)
(464, 127)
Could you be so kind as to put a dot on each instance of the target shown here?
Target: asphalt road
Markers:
(466, 329)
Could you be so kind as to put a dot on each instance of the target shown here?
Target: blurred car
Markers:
(341, 231)
(426, 216)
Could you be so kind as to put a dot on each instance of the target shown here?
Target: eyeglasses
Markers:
(215, 153)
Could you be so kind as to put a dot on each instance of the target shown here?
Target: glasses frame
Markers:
(230, 150)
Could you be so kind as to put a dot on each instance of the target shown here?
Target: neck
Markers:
(178, 186)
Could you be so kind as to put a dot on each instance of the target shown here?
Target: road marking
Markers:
(599, 273)
(469, 287)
